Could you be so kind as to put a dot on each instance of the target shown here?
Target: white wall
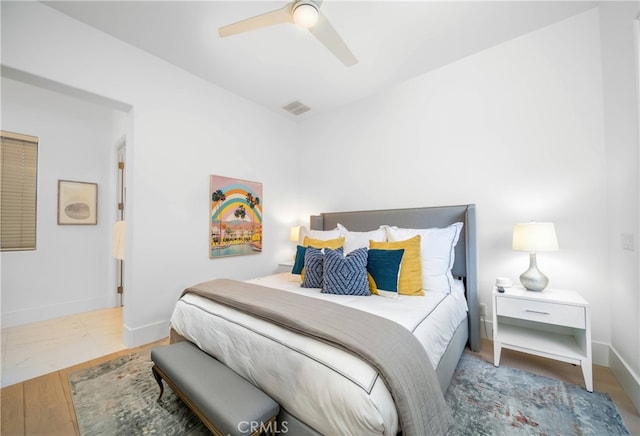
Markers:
(516, 129)
(184, 129)
(620, 75)
(71, 270)
(542, 127)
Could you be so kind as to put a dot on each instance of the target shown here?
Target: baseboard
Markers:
(600, 353)
(629, 381)
(136, 336)
(43, 313)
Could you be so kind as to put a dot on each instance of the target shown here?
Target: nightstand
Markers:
(285, 266)
(553, 323)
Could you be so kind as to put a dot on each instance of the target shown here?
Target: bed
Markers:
(327, 384)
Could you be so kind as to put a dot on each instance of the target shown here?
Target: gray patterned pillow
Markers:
(345, 275)
(313, 268)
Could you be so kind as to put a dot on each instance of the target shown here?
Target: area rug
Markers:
(119, 397)
(486, 400)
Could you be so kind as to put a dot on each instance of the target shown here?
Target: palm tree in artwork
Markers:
(218, 197)
(240, 212)
(253, 201)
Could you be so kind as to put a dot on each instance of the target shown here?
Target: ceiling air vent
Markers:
(296, 108)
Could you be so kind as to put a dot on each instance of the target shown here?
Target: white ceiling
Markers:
(393, 41)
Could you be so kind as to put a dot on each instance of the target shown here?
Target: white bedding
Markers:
(329, 389)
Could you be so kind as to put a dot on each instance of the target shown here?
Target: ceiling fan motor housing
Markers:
(305, 13)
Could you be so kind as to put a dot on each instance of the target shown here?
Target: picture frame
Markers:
(235, 217)
(77, 203)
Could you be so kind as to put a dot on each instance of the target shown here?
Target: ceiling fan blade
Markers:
(278, 16)
(327, 35)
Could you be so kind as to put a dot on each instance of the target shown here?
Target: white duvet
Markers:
(329, 389)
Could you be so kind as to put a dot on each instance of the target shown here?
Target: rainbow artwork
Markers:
(235, 217)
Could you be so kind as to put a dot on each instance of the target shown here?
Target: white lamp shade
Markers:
(295, 233)
(305, 15)
(535, 237)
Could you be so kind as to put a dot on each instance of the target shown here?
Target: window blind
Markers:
(18, 185)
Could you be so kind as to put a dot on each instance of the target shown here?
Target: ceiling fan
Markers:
(305, 13)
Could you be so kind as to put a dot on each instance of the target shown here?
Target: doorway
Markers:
(119, 230)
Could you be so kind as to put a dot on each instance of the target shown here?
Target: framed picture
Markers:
(235, 217)
(77, 203)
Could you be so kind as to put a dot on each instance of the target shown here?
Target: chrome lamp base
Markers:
(532, 279)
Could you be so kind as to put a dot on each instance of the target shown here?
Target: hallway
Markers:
(39, 348)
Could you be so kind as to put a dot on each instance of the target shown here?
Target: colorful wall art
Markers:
(235, 217)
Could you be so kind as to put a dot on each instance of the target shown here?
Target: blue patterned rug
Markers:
(486, 400)
(119, 398)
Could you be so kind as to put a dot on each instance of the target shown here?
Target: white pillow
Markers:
(355, 240)
(437, 253)
(323, 235)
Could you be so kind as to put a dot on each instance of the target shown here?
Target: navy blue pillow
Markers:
(313, 268)
(383, 267)
(345, 275)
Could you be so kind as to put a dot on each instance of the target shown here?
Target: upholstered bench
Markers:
(225, 402)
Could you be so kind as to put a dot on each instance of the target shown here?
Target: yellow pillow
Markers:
(319, 243)
(410, 282)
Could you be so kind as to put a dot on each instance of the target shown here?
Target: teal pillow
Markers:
(383, 268)
(298, 264)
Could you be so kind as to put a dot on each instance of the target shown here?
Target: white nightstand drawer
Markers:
(540, 311)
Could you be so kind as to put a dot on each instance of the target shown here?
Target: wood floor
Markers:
(43, 405)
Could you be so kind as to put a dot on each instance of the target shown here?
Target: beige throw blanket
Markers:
(388, 347)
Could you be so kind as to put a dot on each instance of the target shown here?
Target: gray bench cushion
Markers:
(227, 400)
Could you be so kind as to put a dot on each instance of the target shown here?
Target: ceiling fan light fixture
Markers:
(305, 14)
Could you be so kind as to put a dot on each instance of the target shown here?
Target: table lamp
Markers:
(294, 234)
(534, 238)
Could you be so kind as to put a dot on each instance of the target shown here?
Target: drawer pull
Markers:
(537, 311)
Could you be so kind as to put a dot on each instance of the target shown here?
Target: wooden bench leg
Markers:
(156, 375)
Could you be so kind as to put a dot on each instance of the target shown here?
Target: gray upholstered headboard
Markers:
(465, 265)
